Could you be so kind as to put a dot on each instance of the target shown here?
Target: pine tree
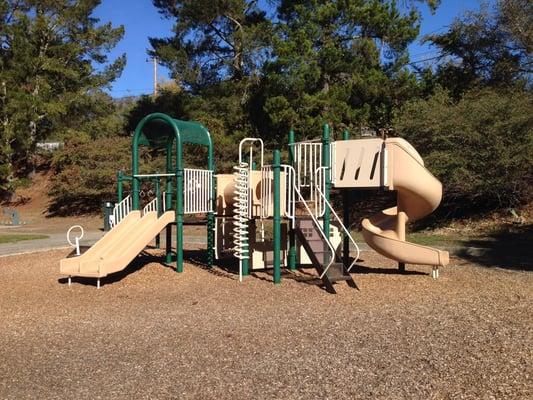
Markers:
(53, 66)
(492, 47)
(213, 40)
(339, 61)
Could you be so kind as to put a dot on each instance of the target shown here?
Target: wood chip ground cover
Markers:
(153, 333)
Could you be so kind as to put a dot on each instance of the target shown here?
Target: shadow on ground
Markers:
(510, 247)
(138, 263)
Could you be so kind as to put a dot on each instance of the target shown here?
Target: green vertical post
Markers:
(120, 188)
(168, 203)
(346, 215)
(277, 217)
(211, 214)
(327, 181)
(292, 235)
(135, 181)
(245, 262)
(179, 207)
(158, 197)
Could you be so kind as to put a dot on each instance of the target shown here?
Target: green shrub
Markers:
(480, 147)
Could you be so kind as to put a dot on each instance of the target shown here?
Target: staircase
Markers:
(319, 252)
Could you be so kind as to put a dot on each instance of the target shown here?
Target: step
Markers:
(336, 273)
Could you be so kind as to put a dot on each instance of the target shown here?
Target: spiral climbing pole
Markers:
(241, 217)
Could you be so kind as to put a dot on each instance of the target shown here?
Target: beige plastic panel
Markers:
(419, 194)
(119, 247)
(226, 195)
(358, 163)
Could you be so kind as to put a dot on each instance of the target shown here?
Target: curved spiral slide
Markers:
(419, 194)
(118, 247)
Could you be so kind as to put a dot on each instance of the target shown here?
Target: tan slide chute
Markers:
(118, 247)
(419, 194)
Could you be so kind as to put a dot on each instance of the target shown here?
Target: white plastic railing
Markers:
(267, 191)
(333, 161)
(322, 172)
(152, 206)
(197, 190)
(120, 211)
(163, 202)
(307, 157)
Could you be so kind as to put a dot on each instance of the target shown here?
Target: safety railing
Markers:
(152, 206)
(307, 158)
(197, 191)
(321, 176)
(333, 161)
(320, 230)
(267, 191)
(120, 211)
(163, 202)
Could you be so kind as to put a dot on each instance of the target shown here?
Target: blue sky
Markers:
(141, 20)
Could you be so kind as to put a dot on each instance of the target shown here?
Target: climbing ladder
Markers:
(308, 228)
(310, 173)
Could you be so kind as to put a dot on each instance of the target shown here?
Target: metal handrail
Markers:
(320, 230)
(267, 190)
(324, 171)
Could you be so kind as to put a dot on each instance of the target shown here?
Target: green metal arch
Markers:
(179, 133)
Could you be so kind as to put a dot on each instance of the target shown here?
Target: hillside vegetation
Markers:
(246, 71)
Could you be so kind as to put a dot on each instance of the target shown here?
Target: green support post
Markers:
(120, 189)
(327, 181)
(245, 262)
(168, 204)
(292, 235)
(277, 217)
(179, 209)
(346, 215)
(158, 197)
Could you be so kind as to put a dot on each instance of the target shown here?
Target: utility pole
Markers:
(154, 61)
(155, 75)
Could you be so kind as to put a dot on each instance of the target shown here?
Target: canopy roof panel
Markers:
(159, 129)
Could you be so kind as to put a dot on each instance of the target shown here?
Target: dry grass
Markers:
(152, 333)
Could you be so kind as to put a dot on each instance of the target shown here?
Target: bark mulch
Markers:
(153, 333)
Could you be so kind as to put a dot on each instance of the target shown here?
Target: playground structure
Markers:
(268, 216)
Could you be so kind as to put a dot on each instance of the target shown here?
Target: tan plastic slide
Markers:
(118, 247)
(419, 194)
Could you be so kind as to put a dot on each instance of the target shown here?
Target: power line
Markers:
(426, 59)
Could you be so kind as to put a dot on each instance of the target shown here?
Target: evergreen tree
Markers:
(53, 65)
(339, 61)
(492, 47)
(213, 40)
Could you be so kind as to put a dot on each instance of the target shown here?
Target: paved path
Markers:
(54, 241)
(59, 241)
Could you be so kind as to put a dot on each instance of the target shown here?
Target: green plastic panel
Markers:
(157, 132)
